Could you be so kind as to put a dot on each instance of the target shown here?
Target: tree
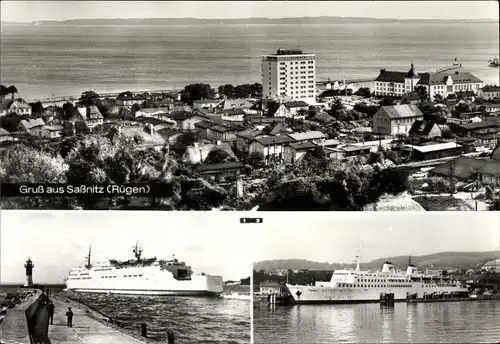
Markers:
(3, 91)
(387, 101)
(226, 90)
(136, 107)
(312, 111)
(256, 89)
(37, 107)
(81, 128)
(11, 90)
(438, 99)
(461, 108)
(243, 91)
(67, 111)
(298, 195)
(11, 122)
(256, 159)
(390, 180)
(363, 92)
(68, 129)
(22, 164)
(421, 91)
(126, 94)
(217, 156)
(337, 109)
(196, 92)
(89, 98)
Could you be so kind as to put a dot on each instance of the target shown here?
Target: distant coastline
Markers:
(251, 21)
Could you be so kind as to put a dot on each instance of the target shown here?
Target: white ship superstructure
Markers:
(349, 286)
(142, 276)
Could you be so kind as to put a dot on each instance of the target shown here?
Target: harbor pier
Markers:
(85, 328)
(28, 322)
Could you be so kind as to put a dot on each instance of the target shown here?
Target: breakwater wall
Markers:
(23, 324)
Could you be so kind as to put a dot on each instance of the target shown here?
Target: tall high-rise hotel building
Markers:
(291, 73)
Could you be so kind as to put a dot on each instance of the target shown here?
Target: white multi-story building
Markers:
(444, 82)
(291, 73)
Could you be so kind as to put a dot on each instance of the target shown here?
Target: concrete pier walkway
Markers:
(85, 329)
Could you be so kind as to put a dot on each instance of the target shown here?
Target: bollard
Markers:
(170, 337)
(144, 329)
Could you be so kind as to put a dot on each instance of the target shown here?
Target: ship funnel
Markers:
(411, 270)
(388, 268)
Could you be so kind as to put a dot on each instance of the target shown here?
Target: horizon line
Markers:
(257, 18)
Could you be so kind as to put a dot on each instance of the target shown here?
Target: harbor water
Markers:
(442, 322)
(192, 319)
(46, 61)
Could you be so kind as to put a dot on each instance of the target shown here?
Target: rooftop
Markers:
(271, 140)
(207, 101)
(401, 111)
(204, 124)
(221, 128)
(219, 166)
(3, 132)
(491, 88)
(32, 123)
(296, 104)
(308, 135)
(479, 125)
(55, 127)
(434, 147)
(303, 145)
(353, 148)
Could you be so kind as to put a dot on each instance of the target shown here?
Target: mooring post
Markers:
(144, 329)
(170, 337)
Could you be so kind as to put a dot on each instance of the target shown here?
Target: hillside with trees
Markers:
(465, 260)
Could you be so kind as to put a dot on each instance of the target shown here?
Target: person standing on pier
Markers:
(51, 309)
(69, 315)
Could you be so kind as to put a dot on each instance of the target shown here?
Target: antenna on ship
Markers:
(88, 265)
(137, 251)
(409, 260)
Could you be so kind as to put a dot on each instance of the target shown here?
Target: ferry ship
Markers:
(351, 286)
(142, 276)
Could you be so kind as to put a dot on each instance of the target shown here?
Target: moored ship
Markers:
(350, 286)
(142, 276)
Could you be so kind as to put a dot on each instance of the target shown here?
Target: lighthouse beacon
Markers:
(29, 273)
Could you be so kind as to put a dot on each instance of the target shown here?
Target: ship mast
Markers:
(137, 251)
(88, 265)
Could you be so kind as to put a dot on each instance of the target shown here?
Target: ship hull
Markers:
(149, 292)
(142, 281)
(333, 295)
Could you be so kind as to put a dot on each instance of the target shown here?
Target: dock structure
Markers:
(85, 329)
(14, 326)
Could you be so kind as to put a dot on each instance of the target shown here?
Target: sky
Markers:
(213, 243)
(28, 11)
(336, 237)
